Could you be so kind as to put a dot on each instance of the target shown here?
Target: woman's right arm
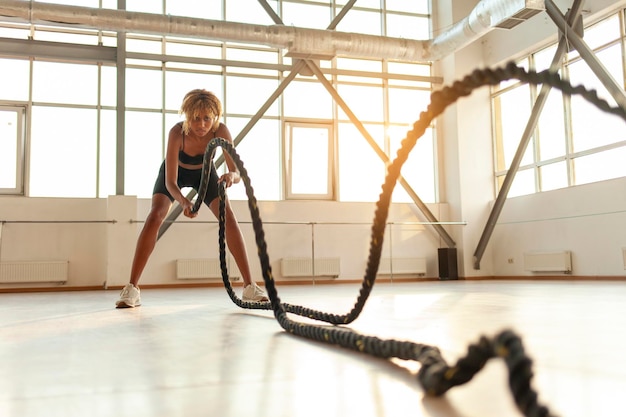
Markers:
(174, 144)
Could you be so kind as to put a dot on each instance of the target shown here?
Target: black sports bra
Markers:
(188, 159)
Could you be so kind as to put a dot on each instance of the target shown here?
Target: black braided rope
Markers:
(435, 375)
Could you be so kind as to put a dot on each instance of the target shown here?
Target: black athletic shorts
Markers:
(187, 178)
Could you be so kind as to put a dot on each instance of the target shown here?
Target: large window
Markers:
(574, 142)
(70, 130)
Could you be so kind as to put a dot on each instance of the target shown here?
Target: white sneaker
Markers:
(254, 293)
(129, 297)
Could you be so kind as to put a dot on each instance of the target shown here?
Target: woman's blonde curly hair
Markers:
(197, 102)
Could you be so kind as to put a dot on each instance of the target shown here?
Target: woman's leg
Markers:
(234, 240)
(148, 237)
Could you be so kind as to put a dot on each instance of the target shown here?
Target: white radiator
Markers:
(15, 272)
(402, 266)
(557, 261)
(303, 267)
(204, 268)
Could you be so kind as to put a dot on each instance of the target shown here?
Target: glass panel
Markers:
(309, 154)
(260, 153)
(201, 9)
(252, 55)
(371, 4)
(553, 176)
(365, 102)
(193, 50)
(544, 58)
(143, 153)
(415, 6)
(590, 126)
(552, 140)
(144, 6)
(15, 33)
(108, 146)
(419, 168)
(53, 36)
(406, 105)
(409, 68)
(144, 88)
(358, 21)
(408, 27)
(523, 183)
(15, 79)
(307, 99)
(240, 101)
(144, 46)
(600, 166)
(9, 148)
(514, 108)
(361, 171)
(359, 65)
(306, 15)
(65, 83)
(247, 11)
(62, 162)
(603, 32)
(108, 92)
(177, 84)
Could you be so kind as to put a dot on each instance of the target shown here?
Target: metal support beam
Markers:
(381, 154)
(565, 26)
(525, 140)
(120, 111)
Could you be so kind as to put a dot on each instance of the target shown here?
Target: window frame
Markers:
(20, 148)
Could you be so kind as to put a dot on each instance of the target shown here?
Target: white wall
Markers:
(100, 251)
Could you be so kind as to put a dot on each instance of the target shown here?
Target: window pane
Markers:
(358, 21)
(14, 82)
(260, 153)
(240, 101)
(247, 11)
(62, 161)
(54, 36)
(309, 154)
(144, 88)
(419, 168)
(108, 92)
(415, 6)
(177, 84)
(514, 108)
(361, 171)
(108, 147)
(523, 183)
(144, 46)
(201, 9)
(193, 50)
(405, 105)
(144, 6)
(306, 15)
(600, 166)
(9, 148)
(553, 176)
(65, 83)
(318, 103)
(408, 27)
(552, 141)
(365, 102)
(144, 152)
(592, 127)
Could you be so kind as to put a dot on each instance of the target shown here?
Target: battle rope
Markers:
(435, 375)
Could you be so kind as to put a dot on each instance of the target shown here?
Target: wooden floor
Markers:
(192, 352)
